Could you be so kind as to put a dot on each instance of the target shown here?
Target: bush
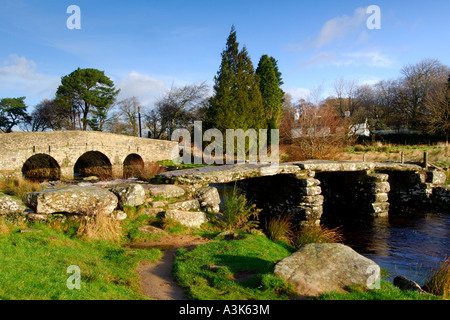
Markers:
(238, 213)
(18, 187)
(279, 229)
(100, 226)
(439, 280)
(316, 234)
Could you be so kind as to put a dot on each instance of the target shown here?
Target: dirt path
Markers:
(157, 281)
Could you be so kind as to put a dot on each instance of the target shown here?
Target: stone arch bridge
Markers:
(68, 154)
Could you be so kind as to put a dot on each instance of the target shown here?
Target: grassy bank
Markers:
(235, 265)
(34, 266)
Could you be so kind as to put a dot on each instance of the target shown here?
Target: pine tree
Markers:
(237, 102)
(271, 93)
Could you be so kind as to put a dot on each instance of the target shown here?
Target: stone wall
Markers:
(66, 147)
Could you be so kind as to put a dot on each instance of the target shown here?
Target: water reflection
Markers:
(409, 245)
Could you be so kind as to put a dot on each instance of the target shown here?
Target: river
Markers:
(410, 244)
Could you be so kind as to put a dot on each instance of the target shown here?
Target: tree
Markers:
(47, 115)
(87, 95)
(236, 102)
(413, 87)
(438, 106)
(13, 111)
(178, 108)
(128, 113)
(318, 133)
(271, 93)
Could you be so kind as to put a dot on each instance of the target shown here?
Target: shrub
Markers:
(316, 234)
(99, 226)
(438, 282)
(144, 173)
(279, 229)
(238, 213)
(18, 187)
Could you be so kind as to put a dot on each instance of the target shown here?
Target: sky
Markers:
(147, 47)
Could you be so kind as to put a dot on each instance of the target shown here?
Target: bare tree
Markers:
(176, 109)
(438, 107)
(412, 89)
(129, 110)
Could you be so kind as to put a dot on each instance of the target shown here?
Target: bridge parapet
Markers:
(67, 147)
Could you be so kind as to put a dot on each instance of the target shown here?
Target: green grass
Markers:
(387, 291)
(170, 165)
(212, 271)
(34, 267)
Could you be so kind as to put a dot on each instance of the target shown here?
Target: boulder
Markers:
(406, 284)
(166, 191)
(11, 205)
(185, 205)
(152, 212)
(209, 199)
(191, 219)
(72, 199)
(132, 195)
(320, 268)
(151, 229)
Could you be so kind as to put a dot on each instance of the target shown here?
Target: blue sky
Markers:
(148, 46)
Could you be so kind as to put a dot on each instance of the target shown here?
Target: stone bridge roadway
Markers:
(304, 189)
(67, 154)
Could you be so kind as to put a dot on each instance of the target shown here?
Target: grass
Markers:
(387, 291)
(18, 187)
(233, 270)
(170, 165)
(34, 267)
(438, 155)
(438, 281)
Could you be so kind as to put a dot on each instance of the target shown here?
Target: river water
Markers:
(407, 244)
(410, 244)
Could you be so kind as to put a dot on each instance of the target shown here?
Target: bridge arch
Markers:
(133, 165)
(93, 163)
(41, 167)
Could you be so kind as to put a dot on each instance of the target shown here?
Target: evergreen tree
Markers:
(271, 93)
(87, 95)
(237, 101)
(12, 112)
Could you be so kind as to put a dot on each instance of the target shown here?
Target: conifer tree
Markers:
(237, 102)
(271, 93)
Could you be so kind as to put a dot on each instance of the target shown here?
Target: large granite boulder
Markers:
(209, 199)
(72, 199)
(132, 195)
(320, 268)
(10, 205)
(166, 191)
(191, 219)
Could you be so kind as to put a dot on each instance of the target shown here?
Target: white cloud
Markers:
(18, 77)
(298, 93)
(364, 57)
(340, 27)
(146, 88)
